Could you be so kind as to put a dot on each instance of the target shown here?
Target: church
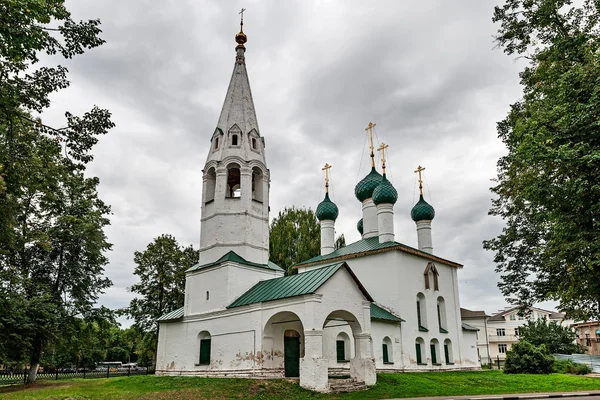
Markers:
(375, 305)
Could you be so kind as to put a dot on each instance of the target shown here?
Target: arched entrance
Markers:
(283, 344)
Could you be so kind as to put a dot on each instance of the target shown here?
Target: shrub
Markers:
(525, 358)
(570, 367)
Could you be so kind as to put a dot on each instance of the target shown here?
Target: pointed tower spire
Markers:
(235, 206)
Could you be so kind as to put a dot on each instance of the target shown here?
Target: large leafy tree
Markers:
(161, 271)
(548, 185)
(53, 243)
(51, 221)
(557, 339)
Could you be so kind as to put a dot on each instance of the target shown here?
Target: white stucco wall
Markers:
(394, 279)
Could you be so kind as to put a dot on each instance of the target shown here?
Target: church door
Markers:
(291, 354)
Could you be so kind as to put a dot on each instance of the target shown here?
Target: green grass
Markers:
(388, 386)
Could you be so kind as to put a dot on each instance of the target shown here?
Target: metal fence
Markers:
(592, 361)
(17, 377)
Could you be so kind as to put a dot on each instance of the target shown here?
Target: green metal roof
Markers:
(468, 327)
(371, 246)
(385, 192)
(233, 257)
(327, 210)
(359, 226)
(422, 211)
(172, 315)
(381, 314)
(293, 285)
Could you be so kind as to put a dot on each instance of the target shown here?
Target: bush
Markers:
(570, 367)
(525, 358)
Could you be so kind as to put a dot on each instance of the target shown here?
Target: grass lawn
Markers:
(388, 386)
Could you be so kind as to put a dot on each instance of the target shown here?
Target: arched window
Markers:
(388, 357)
(448, 356)
(257, 184)
(434, 348)
(342, 347)
(233, 181)
(420, 350)
(421, 313)
(211, 182)
(431, 271)
(204, 356)
(441, 315)
(234, 140)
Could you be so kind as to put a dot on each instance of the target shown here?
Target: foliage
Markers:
(339, 242)
(52, 242)
(407, 384)
(570, 367)
(294, 236)
(557, 339)
(161, 270)
(548, 191)
(525, 358)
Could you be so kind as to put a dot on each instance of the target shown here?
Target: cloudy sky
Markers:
(427, 73)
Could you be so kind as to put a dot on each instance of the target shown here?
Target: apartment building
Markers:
(588, 335)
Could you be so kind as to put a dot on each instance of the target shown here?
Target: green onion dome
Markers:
(359, 226)
(364, 189)
(385, 193)
(327, 210)
(422, 211)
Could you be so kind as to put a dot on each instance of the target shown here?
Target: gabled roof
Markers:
(468, 314)
(293, 285)
(369, 246)
(500, 316)
(468, 327)
(233, 257)
(172, 315)
(382, 314)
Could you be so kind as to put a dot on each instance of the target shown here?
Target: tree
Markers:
(340, 242)
(525, 358)
(556, 338)
(52, 241)
(294, 236)
(548, 185)
(161, 270)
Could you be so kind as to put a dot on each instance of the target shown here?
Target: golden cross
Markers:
(382, 150)
(326, 169)
(418, 170)
(370, 129)
(242, 18)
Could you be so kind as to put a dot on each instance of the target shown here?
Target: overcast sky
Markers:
(427, 73)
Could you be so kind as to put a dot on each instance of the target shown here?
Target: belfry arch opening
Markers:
(257, 184)
(234, 189)
(211, 182)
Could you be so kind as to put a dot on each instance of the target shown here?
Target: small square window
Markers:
(502, 347)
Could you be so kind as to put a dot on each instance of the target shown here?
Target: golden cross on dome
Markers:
(326, 169)
(418, 170)
(242, 18)
(382, 150)
(370, 129)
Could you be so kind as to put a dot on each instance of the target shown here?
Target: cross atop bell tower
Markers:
(235, 191)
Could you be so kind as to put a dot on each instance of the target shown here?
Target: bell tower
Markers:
(235, 190)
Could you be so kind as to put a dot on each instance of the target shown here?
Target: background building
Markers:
(588, 335)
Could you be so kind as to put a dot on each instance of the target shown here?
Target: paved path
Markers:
(588, 395)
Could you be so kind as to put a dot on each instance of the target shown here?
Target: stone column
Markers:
(313, 366)
(385, 222)
(220, 188)
(362, 366)
(424, 236)
(327, 236)
(369, 218)
(246, 187)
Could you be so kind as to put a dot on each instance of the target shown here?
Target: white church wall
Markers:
(469, 350)
(381, 330)
(224, 284)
